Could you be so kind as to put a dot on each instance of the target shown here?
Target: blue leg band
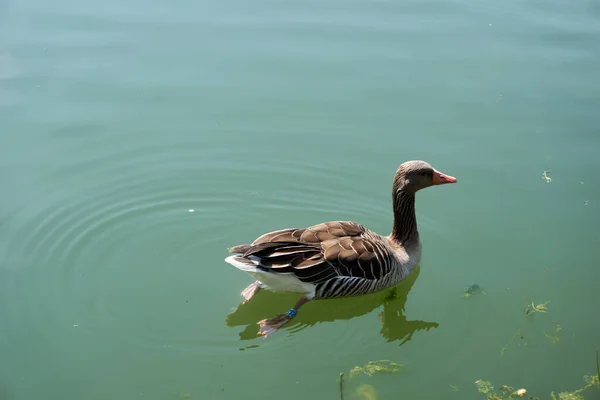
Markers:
(291, 312)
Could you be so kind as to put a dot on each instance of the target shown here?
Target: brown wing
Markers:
(321, 252)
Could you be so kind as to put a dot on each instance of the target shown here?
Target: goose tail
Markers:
(242, 263)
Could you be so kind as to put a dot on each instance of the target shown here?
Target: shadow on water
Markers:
(394, 325)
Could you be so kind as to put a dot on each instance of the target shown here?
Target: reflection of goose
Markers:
(340, 258)
(394, 327)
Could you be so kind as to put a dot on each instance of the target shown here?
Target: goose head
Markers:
(415, 175)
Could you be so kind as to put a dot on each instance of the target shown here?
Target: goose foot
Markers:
(250, 291)
(270, 325)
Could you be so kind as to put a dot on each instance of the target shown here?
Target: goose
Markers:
(338, 258)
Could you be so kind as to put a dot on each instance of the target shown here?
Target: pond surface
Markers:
(141, 139)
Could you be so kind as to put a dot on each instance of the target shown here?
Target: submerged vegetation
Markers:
(472, 290)
(508, 392)
(365, 391)
(556, 336)
(373, 367)
(530, 309)
(517, 334)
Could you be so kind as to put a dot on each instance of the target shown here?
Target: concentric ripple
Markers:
(119, 245)
(107, 247)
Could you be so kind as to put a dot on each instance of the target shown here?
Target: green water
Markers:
(118, 118)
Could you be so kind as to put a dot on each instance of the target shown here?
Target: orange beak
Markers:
(440, 179)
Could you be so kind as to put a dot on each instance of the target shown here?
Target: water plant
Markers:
(576, 395)
(472, 290)
(365, 391)
(506, 392)
(517, 334)
(373, 367)
(533, 308)
(556, 336)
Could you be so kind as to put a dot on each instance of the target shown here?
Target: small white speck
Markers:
(75, 326)
(191, 210)
(490, 24)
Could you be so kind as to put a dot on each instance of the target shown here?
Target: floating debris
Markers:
(587, 203)
(454, 388)
(575, 395)
(484, 387)
(567, 396)
(253, 346)
(507, 392)
(364, 391)
(373, 367)
(556, 336)
(545, 177)
(533, 308)
(191, 210)
(507, 389)
(472, 290)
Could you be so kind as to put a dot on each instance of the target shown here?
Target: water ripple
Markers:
(88, 246)
(112, 246)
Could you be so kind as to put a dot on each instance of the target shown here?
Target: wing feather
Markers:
(321, 252)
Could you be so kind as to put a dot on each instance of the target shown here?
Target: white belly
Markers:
(277, 282)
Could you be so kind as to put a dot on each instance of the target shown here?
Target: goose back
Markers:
(341, 258)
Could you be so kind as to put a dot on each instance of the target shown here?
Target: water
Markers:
(117, 119)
